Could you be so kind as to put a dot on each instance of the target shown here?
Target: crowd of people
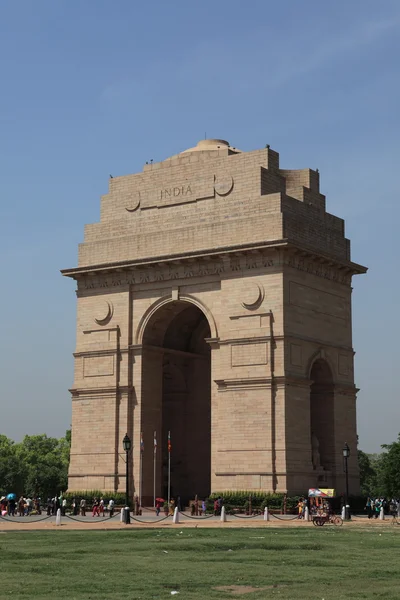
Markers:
(26, 506)
(23, 507)
(374, 505)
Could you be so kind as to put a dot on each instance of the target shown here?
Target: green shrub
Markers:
(88, 495)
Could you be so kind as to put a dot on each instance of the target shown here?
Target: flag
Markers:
(169, 441)
(141, 443)
(155, 442)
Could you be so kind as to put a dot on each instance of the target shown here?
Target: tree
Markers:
(367, 474)
(37, 466)
(12, 474)
(390, 469)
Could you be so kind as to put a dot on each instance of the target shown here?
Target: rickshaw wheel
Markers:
(338, 521)
(315, 522)
(320, 522)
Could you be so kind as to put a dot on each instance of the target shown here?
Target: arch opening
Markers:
(176, 397)
(322, 416)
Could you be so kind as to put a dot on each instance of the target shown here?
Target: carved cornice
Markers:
(344, 389)
(167, 259)
(245, 340)
(242, 383)
(78, 393)
(228, 262)
(105, 352)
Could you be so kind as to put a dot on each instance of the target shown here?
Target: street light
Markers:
(127, 445)
(346, 454)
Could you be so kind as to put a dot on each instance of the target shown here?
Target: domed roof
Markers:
(208, 145)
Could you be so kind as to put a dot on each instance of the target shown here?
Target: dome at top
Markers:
(211, 144)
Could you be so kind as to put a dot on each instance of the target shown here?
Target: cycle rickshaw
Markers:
(321, 511)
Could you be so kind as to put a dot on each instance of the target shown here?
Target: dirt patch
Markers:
(238, 590)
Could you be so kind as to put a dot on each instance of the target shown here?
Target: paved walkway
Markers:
(151, 521)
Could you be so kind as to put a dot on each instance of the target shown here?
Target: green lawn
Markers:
(295, 564)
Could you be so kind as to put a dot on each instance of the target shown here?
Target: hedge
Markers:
(88, 495)
(259, 500)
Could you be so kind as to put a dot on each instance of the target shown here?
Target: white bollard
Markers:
(223, 514)
(122, 515)
(382, 514)
(175, 518)
(58, 517)
(306, 514)
(343, 513)
(266, 514)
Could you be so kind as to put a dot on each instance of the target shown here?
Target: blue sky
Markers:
(94, 87)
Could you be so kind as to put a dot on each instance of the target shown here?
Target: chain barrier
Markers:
(104, 520)
(15, 520)
(158, 521)
(283, 518)
(196, 518)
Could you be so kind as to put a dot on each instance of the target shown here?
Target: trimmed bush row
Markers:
(88, 495)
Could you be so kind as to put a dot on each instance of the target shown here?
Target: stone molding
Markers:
(96, 392)
(225, 385)
(229, 263)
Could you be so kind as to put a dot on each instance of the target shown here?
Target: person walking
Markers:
(158, 506)
(111, 508)
(95, 511)
(171, 507)
(21, 506)
(368, 508)
(11, 507)
(101, 507)
(300, 506)
(75, 507)
(216, 507)
(83, 507)
(29, 506)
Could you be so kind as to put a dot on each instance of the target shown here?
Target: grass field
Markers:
(295, 564)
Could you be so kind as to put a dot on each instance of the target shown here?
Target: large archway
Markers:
(322, 416)
(176, 397)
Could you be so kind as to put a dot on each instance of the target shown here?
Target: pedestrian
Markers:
(171, 507)
(196, 506)
(220, 504)
(21, 506)
(57, 504)
(75, 507)
(82, 505)
(95, 511)
(158, 506)
(368, 507)
(101, 507)
(48, 506)
(36, 504)
(300, 505)
(29, 506)
(136, 505)
(11, 507)
(203, 507)
(216, 507)
(63, 506)
(111, 508)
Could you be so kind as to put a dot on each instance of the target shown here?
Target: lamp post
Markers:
(346, 454)
(127, 444)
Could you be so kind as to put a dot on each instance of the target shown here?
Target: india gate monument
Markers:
(214, 303)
